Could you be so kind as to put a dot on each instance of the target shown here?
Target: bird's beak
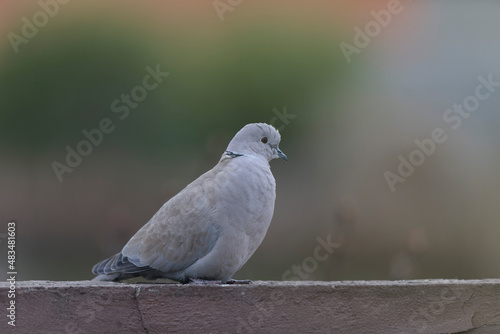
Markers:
(281, 154)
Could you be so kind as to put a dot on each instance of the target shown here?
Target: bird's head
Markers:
(258, 139)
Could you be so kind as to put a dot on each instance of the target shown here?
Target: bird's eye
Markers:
(264, 140)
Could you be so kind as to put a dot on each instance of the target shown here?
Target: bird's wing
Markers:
(180, 233)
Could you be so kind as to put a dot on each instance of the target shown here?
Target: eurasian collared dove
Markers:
(212, 227)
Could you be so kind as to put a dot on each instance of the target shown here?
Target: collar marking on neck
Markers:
(233, 154)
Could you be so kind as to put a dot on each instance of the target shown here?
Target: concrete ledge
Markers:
(424, 306)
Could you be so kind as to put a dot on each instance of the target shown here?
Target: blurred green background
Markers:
(351, 121)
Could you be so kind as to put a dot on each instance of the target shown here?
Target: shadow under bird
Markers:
(210, 229)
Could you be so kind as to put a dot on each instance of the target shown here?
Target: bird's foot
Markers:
(203, 281)
(238, 281)
(207, 282)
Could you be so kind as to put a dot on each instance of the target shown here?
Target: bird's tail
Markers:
(118, 267)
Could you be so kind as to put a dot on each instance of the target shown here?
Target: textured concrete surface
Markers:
(426, 306)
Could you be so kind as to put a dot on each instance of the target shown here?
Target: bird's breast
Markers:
(246, 204)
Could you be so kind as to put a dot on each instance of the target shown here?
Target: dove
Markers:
(210, 229)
